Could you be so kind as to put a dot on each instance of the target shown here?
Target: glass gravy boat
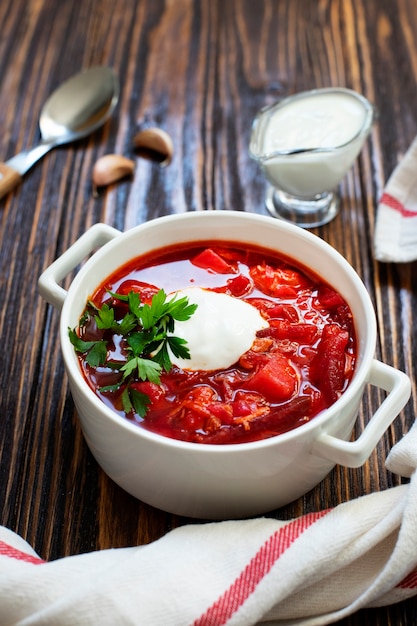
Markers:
(305, 145)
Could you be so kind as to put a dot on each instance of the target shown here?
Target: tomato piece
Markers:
(241, 408)
(329, 298)
(145, 290)
(327, 370)
(252, 359)
(302, 333)
(198, 399)
(211, 261)
(285, 312)
(276, 380)
(249, 405)
(277, 281)
(222, 411)
(154, 392)
(190, 423)
(237, 287)
(262, 304)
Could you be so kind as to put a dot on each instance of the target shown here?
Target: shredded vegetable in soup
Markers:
(216, 343)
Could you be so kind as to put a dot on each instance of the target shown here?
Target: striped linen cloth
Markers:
(395, 238)
(312, 570)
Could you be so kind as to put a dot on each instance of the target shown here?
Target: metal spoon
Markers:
(77, 108)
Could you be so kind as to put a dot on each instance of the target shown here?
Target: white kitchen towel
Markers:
(395, 238)
(310, 571)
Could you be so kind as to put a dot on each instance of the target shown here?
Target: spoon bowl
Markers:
(76, 109)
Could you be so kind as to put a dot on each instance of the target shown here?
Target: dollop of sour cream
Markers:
(319, 120)
(219, 332)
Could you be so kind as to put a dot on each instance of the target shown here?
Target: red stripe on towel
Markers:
(395, 204)
(410, 581)
(244, 585)
(13, 553)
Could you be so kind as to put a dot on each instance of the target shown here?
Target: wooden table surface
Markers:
(200, 70)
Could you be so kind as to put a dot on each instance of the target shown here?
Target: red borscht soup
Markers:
(264, 345)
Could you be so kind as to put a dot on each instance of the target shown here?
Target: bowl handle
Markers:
(355, 453)
(93, 238)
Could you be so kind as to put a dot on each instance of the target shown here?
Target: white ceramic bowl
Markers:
(236, 480)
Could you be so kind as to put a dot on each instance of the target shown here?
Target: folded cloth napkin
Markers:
(395, 238)
(311, 570)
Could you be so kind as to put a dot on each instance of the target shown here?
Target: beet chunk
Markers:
(328, 366)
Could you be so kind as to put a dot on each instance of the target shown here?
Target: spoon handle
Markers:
(9, 179)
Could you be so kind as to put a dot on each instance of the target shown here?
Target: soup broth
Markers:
(300, 358)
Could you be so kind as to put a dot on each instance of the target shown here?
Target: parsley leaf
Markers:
(178, 348)
(146, 369)
(144, 330)
(180, 309)
(140, 401)
(97, 355)
(114, 387)
(105, 317)
(139, 341)
(128, 323)
(133, 299)
(162, 357)
(126, 402)
(133, 400)
(95, 351)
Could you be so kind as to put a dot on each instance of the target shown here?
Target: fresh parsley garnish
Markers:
(145, 329)
(134, 400)
(95, 351)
